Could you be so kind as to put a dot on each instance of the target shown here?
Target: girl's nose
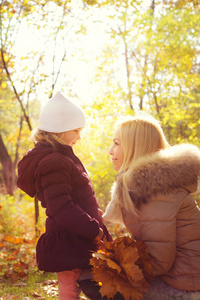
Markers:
(79, 136)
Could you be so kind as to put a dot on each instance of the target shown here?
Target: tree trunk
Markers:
(9, 175)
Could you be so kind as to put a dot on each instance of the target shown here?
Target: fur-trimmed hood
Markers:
(161, 172)
(164, 171)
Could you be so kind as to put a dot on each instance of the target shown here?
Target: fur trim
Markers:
(163, 172)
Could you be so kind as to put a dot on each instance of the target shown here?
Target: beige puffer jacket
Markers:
(169, 221)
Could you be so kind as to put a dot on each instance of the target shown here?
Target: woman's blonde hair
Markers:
(38, 135)
(140, 136)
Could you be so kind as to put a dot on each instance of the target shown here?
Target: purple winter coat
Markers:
(61, 183)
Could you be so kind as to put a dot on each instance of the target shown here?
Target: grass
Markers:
(38, 285)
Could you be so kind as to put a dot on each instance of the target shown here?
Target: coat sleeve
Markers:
(158, 231)
(55, 181)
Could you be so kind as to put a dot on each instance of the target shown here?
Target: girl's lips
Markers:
(72, 144)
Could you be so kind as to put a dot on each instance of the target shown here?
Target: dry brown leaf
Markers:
(112, 264)
(123, 267)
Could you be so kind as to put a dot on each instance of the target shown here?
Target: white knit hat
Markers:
(60, 115)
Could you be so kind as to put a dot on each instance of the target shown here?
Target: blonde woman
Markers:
(152, 198)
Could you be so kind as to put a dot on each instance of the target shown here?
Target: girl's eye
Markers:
(116, 143)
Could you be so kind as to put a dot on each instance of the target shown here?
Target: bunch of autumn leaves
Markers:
(123, 266)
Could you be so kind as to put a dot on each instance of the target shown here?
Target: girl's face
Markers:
(116, 151)
(72, 137)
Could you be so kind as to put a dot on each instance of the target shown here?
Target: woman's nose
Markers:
(111, 151)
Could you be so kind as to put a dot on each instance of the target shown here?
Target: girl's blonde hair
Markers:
(38, 135)
(140, 136)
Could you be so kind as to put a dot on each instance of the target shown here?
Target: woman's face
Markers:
(116, 151)
(72, 137)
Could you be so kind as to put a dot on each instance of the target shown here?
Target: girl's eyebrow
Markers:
(116, 139)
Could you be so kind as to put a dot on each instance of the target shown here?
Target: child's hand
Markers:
(97, 239)
(100, 212)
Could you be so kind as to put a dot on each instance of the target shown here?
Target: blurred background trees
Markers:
(112, 57)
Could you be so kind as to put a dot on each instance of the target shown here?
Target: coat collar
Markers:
(58, 147)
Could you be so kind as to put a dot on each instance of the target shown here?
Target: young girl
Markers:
(52, 172)
(152, 198)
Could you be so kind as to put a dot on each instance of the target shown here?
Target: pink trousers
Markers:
(67, 287)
